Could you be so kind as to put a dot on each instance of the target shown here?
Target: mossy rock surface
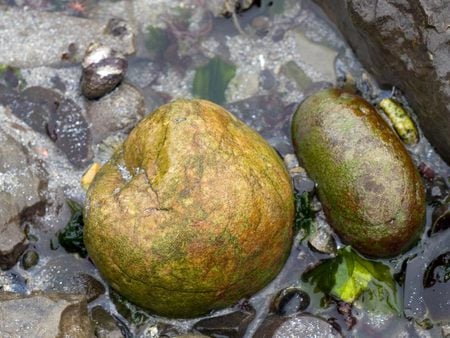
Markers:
(369, 187)
(192, 213)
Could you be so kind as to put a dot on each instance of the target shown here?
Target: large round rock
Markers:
(192, 213)
(370, 189)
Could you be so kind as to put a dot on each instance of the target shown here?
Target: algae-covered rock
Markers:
(192, 213)
(370, 189)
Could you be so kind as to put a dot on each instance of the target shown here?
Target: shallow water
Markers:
(281, 54)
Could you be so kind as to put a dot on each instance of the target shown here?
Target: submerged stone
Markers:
(231, 325)
(25, 37)
(289, 300)
(50, 113)
(194, 212)
(370, 189)
(105, 325)
(29, 259)
(298, 325)
(118, 111)
(22, 181)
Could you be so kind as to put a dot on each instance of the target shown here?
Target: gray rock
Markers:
(405, 44)
(267, 79)
(302, 183)
(42, 315)
(300, 325)
(12, 282)
(291, 70)
(54, 115)
(25, 36)
(105, 325)
(12, 241)
(142, 72)
(317, 56)
(67, 274)
(142, 13)
(21, 182)
(446, 330)
(154, 99)
(117, 111)
(87, 285)
(321, 239)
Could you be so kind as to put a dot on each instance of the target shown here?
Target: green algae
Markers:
(212, 79)
(350, 277)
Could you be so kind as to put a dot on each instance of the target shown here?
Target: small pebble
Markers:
(29, 259)
(289, 301)
(267, 79)
(426, 171)
(261, 25)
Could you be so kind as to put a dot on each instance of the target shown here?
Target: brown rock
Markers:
(192, 213)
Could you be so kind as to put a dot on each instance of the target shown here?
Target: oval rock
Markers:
(370, 189)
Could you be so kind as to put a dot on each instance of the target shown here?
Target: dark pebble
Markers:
(440, 218)
(278, 35)
(426, 171)
(289, 301)
(302, 183)
(267, 78)
(232, 325)
(29, 259)
(105, 325)
(437, 190)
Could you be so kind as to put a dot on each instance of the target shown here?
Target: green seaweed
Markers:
(71, 237)
(157, 41)
(211, 80)
(294, 72)
(349, 277)
(304, 215)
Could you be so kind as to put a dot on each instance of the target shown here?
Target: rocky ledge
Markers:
(405, 44)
